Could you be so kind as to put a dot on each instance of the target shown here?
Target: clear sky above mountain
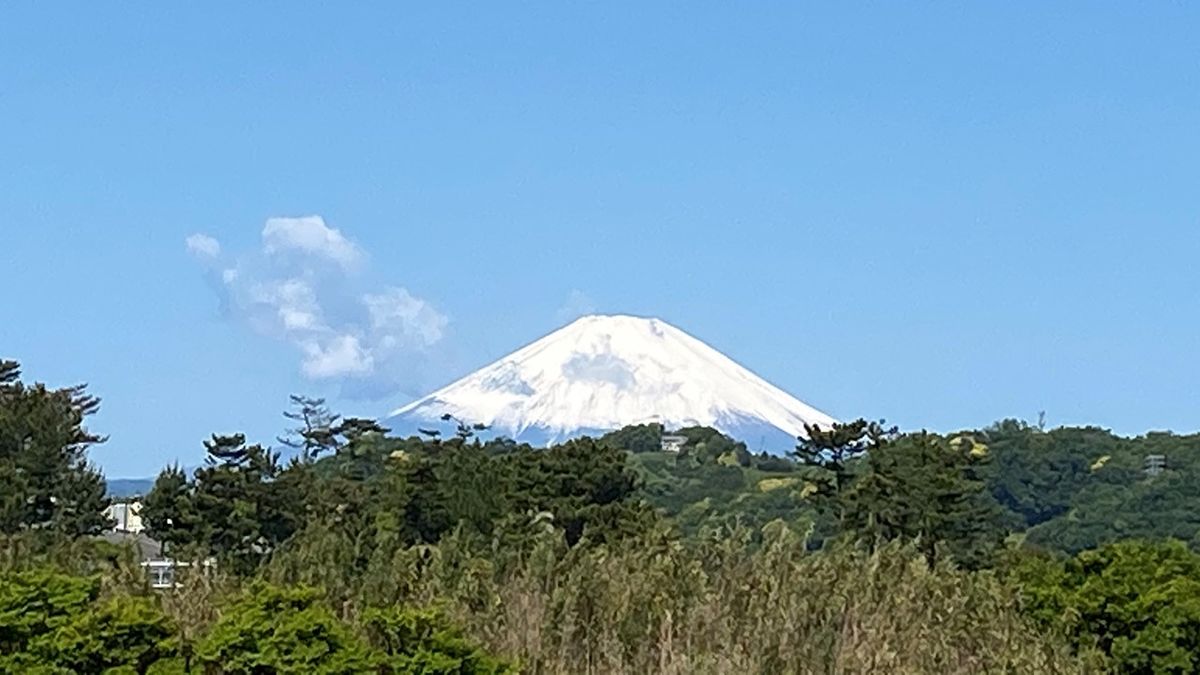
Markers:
(941, 216)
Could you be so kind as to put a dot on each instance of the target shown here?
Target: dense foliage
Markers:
(1006, 549)
(46, 479)
(1136, 601)
(57, 623)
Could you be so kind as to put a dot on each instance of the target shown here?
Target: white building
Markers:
(672, 443)
(126, 516)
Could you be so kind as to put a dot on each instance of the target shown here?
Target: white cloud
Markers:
(203, 246)
(397, 312)
(369, 340)
(309, 235)
(293, 301)
(576, 305)
(340, 356)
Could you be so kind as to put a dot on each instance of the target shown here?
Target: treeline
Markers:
(1064, 490)
(867, 550)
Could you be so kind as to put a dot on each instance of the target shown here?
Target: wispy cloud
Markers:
(203, 246)
(310, 236)
(576, 305)
(304, 286)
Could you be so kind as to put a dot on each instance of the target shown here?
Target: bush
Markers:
(423, 641)
(54, 622)
(273, 629)
(1137, 602)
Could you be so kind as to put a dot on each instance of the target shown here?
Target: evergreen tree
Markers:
(315, 431)
(282, 630)
(362, 449)
(54, 623)
(48, 482)
(234, 508)
(458, 484)
(1035, 474)
(706, 445)
(464, 431)
(424, 641)
(925, 488)
(170, 513)
(1138, 602)
(831, 452)
(586, 485)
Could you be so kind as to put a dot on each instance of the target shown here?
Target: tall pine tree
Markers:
(832, 450)
(234, 508)
(315, 432)
(48, 482)
(926, 488)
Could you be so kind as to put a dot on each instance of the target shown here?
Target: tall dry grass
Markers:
(726, 605)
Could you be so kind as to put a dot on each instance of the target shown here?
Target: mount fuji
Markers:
(601, 373)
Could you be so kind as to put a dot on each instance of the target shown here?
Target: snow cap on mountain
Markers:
(604, 372)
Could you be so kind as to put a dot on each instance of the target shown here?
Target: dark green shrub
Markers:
(423, 641)
(271, 629)
(55, 622)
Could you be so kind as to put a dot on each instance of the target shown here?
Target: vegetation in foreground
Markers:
(1011, 549)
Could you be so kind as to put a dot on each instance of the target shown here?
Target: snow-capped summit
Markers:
(601, 373)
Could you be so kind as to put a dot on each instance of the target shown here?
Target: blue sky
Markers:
(941, 216)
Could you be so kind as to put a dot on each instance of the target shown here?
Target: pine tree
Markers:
(363, 448)
(586, 485)
(315, 431)
(49, 483)
(234, 508)
(832, 450)
(10, 372)
(925, 488)
(170, 513)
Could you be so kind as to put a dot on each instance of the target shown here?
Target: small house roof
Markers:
(147, 548)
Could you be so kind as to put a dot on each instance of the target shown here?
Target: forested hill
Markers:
(1066, 489)
(123, 488)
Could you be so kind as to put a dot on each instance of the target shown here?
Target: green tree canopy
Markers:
(57, 623)
(587, 486)
(1136, 601)
(422, 641)
(924, 487)
(636, 438)
(234, 507)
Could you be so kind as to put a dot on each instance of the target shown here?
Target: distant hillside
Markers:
(129, 487)
(1068, 489)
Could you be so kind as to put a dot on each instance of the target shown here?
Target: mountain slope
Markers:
(604, 372)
